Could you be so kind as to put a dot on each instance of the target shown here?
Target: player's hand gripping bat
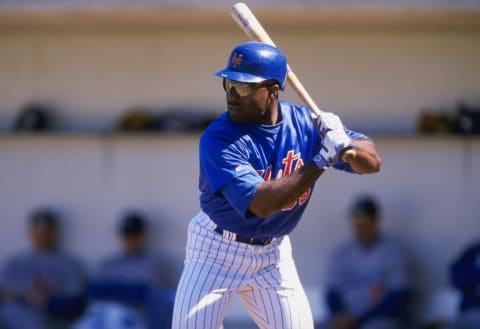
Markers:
(255, 31)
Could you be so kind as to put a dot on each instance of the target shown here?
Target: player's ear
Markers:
(274, 91)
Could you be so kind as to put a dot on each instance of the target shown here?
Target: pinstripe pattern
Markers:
(216, 267)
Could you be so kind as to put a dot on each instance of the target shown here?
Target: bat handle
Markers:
(348, 154)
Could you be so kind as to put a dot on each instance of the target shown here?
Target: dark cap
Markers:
(133, 223)
(34, 117)
(45, 218)
(365, 205)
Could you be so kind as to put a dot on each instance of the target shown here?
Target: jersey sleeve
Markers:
(226, 167)
(240, 191)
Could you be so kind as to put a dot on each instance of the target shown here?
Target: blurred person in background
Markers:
(41, 287)
(368, 283)
(134, 280)
(465, 277)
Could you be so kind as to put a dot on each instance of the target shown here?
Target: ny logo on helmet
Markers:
(236, 59)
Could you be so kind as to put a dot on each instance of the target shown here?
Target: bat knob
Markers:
(348, 154)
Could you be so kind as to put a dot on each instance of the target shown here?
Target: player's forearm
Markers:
(367, 160)
(275, 195)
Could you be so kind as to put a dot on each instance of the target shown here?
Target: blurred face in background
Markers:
(43, 237)
(365, 228)
(133, 242)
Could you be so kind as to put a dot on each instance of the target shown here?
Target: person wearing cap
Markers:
(368, 281)
(42, 285)
(136, 277)
(135, 262)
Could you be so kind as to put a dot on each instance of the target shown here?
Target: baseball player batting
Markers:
(259, 161)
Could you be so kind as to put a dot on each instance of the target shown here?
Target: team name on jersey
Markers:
(291, 162)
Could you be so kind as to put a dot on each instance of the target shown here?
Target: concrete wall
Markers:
(377, 79)
(428, 188)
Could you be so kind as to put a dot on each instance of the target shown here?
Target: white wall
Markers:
(429, 193)
(428, 188)
(92, 181)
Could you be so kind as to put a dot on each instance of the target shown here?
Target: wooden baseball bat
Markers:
(255, 31)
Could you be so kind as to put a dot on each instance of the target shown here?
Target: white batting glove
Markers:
(328, 121)
(334, 142)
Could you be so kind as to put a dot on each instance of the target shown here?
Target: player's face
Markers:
(250, 102)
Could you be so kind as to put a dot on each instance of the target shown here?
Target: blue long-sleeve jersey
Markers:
(236, 157)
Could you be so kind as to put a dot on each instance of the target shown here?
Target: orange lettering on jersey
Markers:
(279, 174)
(292, 162)
(305, 196)
(267, 174)
(298, 165)
(290, 206)
(288, 162)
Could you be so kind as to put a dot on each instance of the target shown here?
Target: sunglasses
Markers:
(241, 88)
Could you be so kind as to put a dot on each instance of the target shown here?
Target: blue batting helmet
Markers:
(254, 62)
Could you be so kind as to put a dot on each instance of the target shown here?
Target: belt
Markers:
(239, 238)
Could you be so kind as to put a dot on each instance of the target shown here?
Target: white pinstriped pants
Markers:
(264, 277)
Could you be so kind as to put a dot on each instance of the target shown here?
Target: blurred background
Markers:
(102, 104)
